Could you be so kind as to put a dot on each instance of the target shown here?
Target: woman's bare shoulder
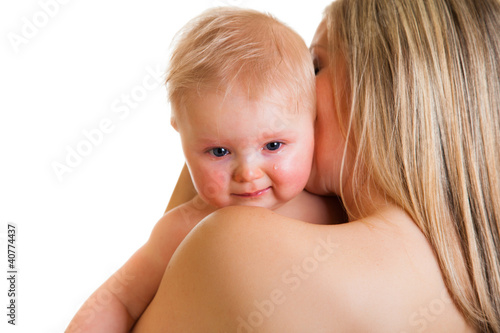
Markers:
(251, 270)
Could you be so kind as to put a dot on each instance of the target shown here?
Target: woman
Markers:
(408, 126)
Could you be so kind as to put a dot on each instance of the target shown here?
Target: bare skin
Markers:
(248, 269)
(377, 274)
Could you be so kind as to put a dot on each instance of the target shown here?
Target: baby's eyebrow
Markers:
(210, 141)
(274, 134)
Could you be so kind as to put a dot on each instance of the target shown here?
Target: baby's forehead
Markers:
(238, 109)
(279, 95)
(271, 102)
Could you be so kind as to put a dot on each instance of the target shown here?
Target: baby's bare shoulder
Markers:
(175, 225)
(186, 215)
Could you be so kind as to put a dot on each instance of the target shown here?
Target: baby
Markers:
(242, 89)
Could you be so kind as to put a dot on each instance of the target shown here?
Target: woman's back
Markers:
(266, 273)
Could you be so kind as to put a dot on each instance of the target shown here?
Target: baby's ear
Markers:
(173, 122)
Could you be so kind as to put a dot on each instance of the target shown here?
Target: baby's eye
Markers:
(273, 146)
(219, 152)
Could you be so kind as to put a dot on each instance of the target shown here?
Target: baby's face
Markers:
(241, 151)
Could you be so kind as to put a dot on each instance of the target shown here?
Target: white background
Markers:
(63, 70)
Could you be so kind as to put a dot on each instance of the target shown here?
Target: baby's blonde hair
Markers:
(224, 47)
(425, 121)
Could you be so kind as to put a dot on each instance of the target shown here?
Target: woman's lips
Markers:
(253, 194)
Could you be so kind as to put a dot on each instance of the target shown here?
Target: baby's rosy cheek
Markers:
(302, 170)
(286, 172)
(215, 180)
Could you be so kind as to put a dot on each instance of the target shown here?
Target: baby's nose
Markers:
(247, 171)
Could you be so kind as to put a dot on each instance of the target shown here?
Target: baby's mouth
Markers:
(252, 194)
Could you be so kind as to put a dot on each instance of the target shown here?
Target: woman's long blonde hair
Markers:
(424, 78)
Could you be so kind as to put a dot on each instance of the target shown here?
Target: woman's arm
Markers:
(184, 190)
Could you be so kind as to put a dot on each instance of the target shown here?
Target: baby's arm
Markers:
(315, 209)
(118, 303)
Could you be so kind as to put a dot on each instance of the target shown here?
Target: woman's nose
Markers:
(247, 172)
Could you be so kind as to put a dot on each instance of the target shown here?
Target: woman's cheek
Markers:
(315, 183)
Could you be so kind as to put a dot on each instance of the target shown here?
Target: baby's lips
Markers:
(252, 194)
